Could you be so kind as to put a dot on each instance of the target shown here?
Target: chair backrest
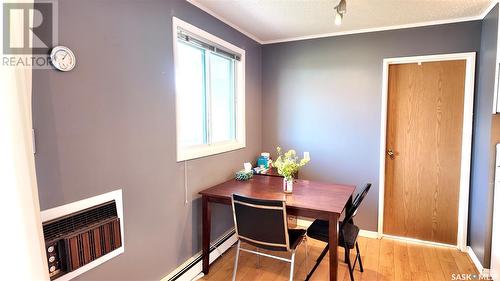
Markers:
(261, 223)
(355, 204)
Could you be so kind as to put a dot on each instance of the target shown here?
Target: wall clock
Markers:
(62, 58)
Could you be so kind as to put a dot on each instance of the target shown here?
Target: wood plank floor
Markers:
(383, 259)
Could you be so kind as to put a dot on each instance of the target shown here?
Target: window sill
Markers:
(193, 152)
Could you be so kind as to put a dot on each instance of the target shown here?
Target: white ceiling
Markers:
(269, 21)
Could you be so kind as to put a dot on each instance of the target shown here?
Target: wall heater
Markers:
(76, 240)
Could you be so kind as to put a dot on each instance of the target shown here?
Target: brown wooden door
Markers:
(424, 133)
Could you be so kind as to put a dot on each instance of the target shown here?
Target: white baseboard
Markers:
(368, 234)
(306, 222)
(477, 263)
(195, 272)
(418, 241)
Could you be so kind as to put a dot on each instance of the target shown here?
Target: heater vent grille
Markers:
(83, 234)
(86, 218)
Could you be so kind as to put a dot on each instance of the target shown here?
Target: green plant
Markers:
(288, 164)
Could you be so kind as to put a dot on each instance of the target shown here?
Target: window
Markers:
(210, 93)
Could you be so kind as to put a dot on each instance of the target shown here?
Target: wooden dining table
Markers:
(312, 199)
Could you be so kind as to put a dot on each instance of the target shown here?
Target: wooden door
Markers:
(424, 140)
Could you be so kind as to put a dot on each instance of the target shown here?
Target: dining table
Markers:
(311, 199)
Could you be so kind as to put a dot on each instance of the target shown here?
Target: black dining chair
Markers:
(348, 238)
(264, 224)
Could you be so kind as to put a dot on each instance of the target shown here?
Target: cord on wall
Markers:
(185, 183)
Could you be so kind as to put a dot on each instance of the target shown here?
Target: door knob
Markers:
(391, 154)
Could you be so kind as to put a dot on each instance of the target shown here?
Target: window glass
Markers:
(190, 83)
(222, 98)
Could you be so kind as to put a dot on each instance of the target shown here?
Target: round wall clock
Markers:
(62, 58)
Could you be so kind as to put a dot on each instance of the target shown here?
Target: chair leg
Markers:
(359, 257)
(307, 253)
(323, 253)
(292, 263)
(258, 257)
(349, 266)
(318, 261)
(236, 260)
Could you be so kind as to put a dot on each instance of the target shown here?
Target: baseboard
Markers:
(477, 263)
(192, 268)
(368, 234)
(306, 222)
(418, 241)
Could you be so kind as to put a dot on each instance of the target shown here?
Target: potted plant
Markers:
(288, 164)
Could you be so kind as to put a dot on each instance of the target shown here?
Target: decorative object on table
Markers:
(247, 166)
(288, 165)
(260, 170)
(243, 175)
(264, 160)
(246, 173)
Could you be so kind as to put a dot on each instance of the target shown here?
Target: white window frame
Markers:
(196, 151)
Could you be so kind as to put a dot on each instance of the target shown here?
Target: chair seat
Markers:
(319, 231)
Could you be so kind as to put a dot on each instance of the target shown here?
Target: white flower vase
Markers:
(287, 185)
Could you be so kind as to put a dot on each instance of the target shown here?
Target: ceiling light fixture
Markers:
(340, 11)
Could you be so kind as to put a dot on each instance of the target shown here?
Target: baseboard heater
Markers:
(79, 238)
(199, 257)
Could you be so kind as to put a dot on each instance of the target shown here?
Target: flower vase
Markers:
(287, 185)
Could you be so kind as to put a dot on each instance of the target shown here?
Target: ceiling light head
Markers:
(340, 11)
(341, 8)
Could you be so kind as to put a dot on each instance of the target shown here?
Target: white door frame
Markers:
(463, 208)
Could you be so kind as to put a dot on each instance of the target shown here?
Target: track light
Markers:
(340, 11)
(338, 18)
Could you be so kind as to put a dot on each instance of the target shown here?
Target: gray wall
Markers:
(110, 123)
(324, 96)
(481, 195)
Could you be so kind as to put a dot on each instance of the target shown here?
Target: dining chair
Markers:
(263, 224)
(348, 238)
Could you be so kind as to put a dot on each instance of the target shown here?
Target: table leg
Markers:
(333, 235)
(206, 225)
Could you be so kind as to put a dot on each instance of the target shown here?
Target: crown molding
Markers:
(375, 29)
(349, 32)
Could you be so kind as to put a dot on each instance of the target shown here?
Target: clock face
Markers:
(62, 58)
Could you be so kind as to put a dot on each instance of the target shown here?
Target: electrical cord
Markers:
(185, 183)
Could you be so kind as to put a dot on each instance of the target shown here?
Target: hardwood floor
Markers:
(384, 259)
